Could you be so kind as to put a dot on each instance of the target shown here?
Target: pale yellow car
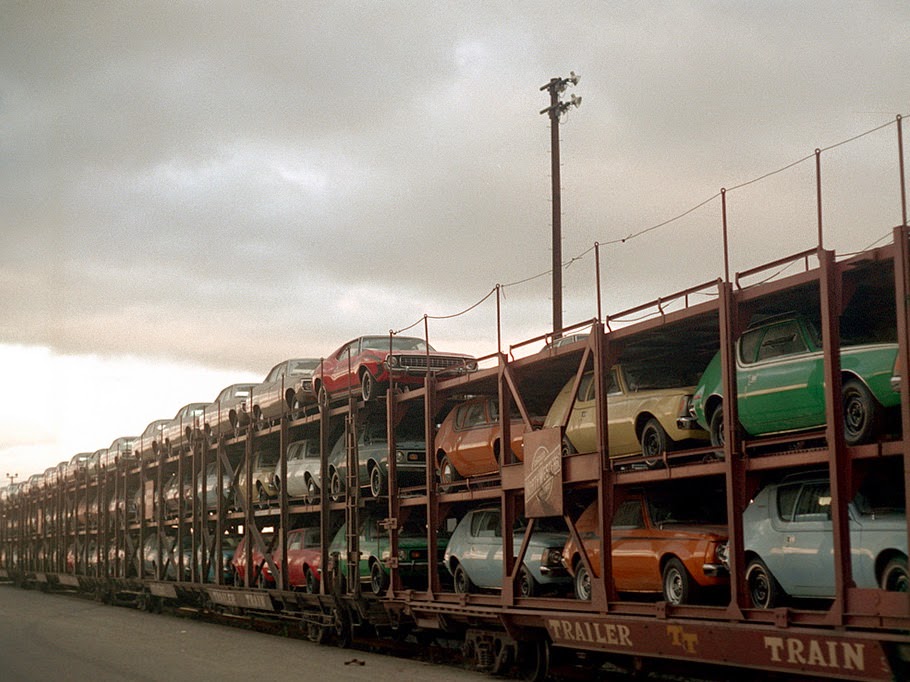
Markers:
(646, 414)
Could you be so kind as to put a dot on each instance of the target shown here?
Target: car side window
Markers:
(814, 502)
(781, 339)
(485, 524)
(474, 415)
(628, 516)
(786, 501)
(614, 386)
(748, 343)
(295, 542)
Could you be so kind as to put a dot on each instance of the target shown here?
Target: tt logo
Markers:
(680, 638)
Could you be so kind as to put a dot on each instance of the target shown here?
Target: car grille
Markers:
(436, 362)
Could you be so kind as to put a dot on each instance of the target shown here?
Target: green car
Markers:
(780, 383)
(374, 551)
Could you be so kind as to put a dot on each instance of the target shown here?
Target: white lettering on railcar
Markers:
(817, 652)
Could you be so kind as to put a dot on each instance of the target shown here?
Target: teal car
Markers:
(374, 552)
(780, 383)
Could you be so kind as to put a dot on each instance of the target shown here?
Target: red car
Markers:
(304, 561)
(238, 563)
(368, 363)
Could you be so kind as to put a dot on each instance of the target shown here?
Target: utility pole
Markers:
(556, 87)
(12, 478)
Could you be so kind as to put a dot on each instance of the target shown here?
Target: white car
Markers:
(789, 543)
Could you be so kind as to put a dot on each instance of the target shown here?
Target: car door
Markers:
(777, 386)
(620, 414)
(633, 559)
(482, 557)
(473, 434)
(804, 565)
(581, 429)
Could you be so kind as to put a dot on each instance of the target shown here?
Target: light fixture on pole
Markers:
(557, 108)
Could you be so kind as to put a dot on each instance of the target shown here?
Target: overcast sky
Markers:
(192, 192)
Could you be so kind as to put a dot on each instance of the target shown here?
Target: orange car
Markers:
(664, 545)
(468, 441)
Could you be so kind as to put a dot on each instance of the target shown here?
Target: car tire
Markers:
(462, 581)
(678, 585)
(582, 582)
(763, 588)
(312, 583)
(448, 475)
(655, 443)
(368, 387)
(527, 586)
(716, 429)
(379, 579)
(322, 396)
(377, 481)
(312, 492)
(861, 413)
(895, 577)
(567, 447)
(336, 487)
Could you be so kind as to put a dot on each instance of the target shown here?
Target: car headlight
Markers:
(392, 361)
(552, 556)
(399, 456)
(722, 554)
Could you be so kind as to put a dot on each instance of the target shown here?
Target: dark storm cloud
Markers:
(233, 183)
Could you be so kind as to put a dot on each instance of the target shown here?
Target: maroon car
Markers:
(368, 363)
(304, 561)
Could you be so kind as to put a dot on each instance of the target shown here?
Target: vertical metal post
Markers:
(603, 591)
(818, 196)
(597, 278)
(902, 296)
(557, 210)
(900, 156)
(284, 516)
(839, 464)
(723, 210)
(498, 319)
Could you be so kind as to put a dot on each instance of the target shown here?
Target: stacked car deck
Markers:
(199, 523)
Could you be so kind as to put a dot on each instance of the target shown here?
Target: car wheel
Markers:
(463, 584)
(322, 396)
(312, 492)
(567, 447)
(336, 488)
(654, 443)
(763, 589)
(368, 388)
(447, 474)
(312, 584)
(379, 579)
(527, 586)
(377, 481)
(582, 582)
(678, 586)
(260, 493)
(894, 577)
(861, 413)
(716, 429)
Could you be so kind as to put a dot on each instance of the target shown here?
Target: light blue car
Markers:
(474, 554)
(789, 543)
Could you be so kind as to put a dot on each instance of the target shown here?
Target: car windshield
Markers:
(658, 376)
(398, 343)
(303, 367)
(687, 509)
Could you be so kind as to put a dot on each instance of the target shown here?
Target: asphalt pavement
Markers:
(64, 637)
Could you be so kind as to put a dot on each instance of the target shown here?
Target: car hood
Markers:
(540, 539)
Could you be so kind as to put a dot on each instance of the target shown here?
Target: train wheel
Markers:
(533, 661)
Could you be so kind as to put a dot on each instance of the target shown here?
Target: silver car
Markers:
(474, 554)
(303, 476)
(222, 417)
(788, 541)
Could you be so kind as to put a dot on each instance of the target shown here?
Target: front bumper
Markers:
(687, 424)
